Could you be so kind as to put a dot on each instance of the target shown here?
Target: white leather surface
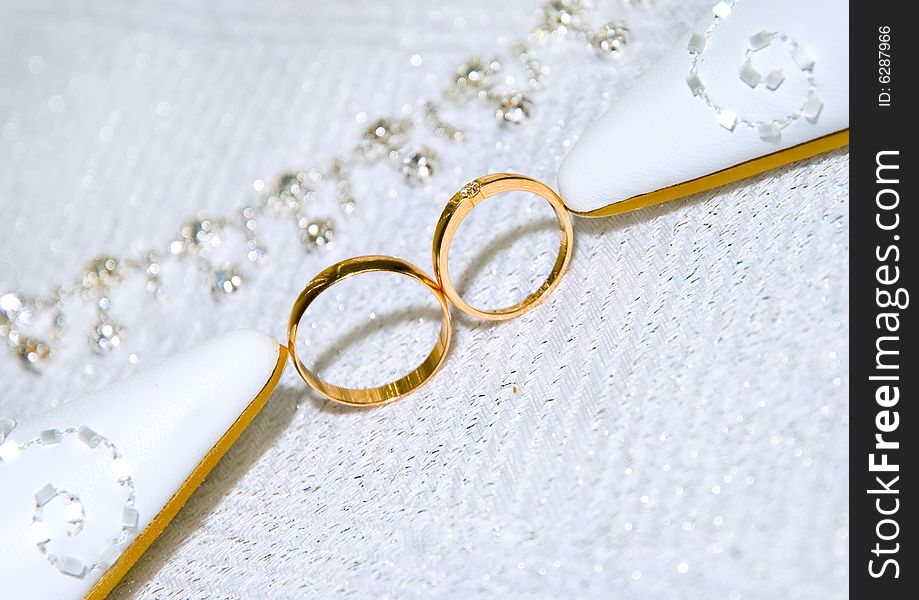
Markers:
(680, 400)
(163, 420)
(658, 134)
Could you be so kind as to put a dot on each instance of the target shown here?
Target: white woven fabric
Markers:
(672, 423)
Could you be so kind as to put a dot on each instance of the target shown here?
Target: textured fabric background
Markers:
(671, 424)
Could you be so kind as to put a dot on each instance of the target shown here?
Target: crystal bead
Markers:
(9, 450)
(475, 73)
(288, 194)
(49, 437)
(129, 518)
(199, 235)
(31, 351)
(226, 280)
(760, 40)
(513, 108)
(803, 58)
(769, 132)
(610, 38)
(106, 335)
(749, 75)
(727, 119)
(71, 566)
(559, 15)
(695, 84)
(774, 79)
(88, 436)
(383, 134)
(102, 272)
(721, 10)
(812, 108)
(314, 234)
(697, 43)
(418, 165)
(45, 495)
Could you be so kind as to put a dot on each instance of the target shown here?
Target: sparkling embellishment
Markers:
(382, 135)
(70, 566)
(315, 234)
(290, 195)
(721, 10)
(475, 74)
(129, 518)
(470, 189)
(31, 351)
(68, 506)
(441, 127)
(102, 272)
(10, 304)
(610, 38)
(695, 84)
(769, 132)
(418, 165)
(106, 335)
(49, 437)
(812, 108)
(513, 108)
(199, 235)
(44, 495)
(89, 437)
(727, 119)
(760, 40)
(774, 79)
(804, 58)
(697, 43)
(559, 15)
(749, 75)
(226, 280)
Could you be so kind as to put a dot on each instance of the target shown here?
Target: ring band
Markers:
(390, 391)
(462, 203)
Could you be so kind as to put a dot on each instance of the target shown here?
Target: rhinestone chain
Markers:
(24, 319)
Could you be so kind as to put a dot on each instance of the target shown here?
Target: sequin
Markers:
(749, 75)
(45, 495)
(697, 43)
(49, 437)
(88, 436)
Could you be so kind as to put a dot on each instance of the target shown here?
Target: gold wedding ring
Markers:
(390, 391)
(462, 203)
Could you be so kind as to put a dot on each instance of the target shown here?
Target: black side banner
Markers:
(883, 368)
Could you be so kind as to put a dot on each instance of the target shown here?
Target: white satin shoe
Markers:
(752, 86)
(88, 486)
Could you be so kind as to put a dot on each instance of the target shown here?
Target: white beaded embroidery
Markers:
(72, 510)
(771, 130)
